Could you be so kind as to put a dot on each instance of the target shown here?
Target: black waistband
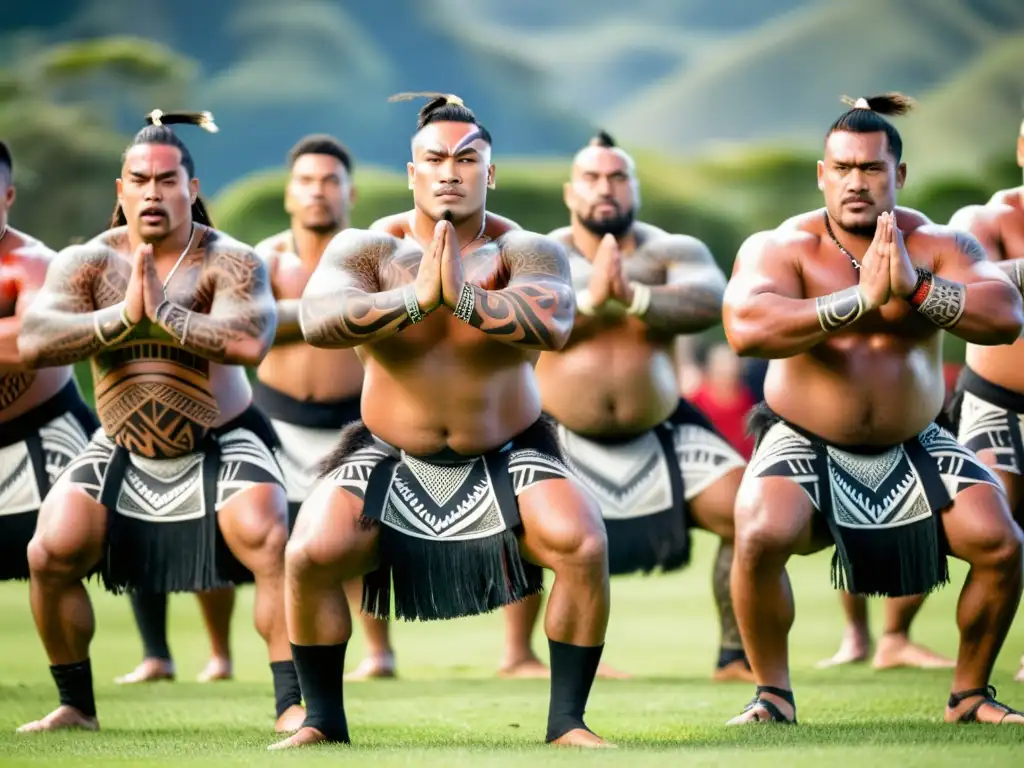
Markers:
(67, 400)
(305, 413)
(1007, 399)
(762, 418)
(253, 420)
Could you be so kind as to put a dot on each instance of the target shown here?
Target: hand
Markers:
(607, 268)
(428, 277)
(152, 290)
(902, 275)
(874, 269)
(134, 298)
(452, 278)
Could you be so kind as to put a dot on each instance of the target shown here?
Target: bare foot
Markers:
(1020, 674)
(290, 720)
(62, 718)
(610, 673)
(148, 671)
(987, 712)
(895, 651)
(734, 672)
(216, 669)
(580, 737)
(373, 667)
(758, 713)
(304, 738)
(529, 669)
(853, 650)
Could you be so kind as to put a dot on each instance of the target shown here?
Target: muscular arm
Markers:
(691, 299)
(240, 326)
(343, 305)
(765, 313)
(970, 296)
(537, 307)
(62, 325)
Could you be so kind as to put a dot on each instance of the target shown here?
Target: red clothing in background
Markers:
(728, 416)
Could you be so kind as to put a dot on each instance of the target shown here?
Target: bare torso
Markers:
(23, 262)
(1003, 219)
(152, 397)
(441, 383)
(297, 369)
(616, 376)
(879, 383)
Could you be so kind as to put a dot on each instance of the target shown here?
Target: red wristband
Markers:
(924, 285)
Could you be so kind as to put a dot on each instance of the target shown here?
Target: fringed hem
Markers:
(659, 541)
(905, 561)
(436, 580)
(16, 532)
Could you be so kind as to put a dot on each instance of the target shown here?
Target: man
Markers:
(849, 303)
(178, 491)
(309, 393)
(989, 396)
(655, 464)
(44, 423)
(451, 486)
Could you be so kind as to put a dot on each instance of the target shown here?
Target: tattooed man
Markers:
(451, 487)
(44, 423)
(179, 490)
(989, 398)
(850, 303)
(653, 461)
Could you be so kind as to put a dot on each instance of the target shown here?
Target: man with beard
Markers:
(655, 464)
(449, 494)
(179, 491)
(44, 423)
(989, 397)
(850, 303)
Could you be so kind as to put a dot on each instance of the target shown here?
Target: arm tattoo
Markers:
(969, 246)
(343, 305)
(941, 301)
(692, 299)
(63, 325)
(839, 309)
(241, 321)
(537, 307)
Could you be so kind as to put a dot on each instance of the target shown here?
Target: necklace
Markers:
(188, 247)
(828, 227)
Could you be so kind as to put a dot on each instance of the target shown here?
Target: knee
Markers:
(760, 535)
(1006, 551)
(63, 546)
(583, 542)
(52, 557)
(261, 521)
(312, 558)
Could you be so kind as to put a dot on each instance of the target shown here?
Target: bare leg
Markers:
(894, 647)
(856, 643)
(254, 526)
(773, 522)
(981, 531)
(67, 544)
(518, 658)
(329, 546)
(572, 543)
(217, 606)
(380, 656)
(713, 509)
(150, 611)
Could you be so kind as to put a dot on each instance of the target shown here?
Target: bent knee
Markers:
(767, 525)
(1005, 549)
(258, 518)
(69, 534)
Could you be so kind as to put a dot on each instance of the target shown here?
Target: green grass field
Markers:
(448, 709)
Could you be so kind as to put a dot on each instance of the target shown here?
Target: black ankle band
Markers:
(150, 609)
(320, 669)
(727, 656)
(782, 693)
(74, 686)
(573, 668)
(287, 692)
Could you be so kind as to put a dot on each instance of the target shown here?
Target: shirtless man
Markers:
(453, 489)
(309, 393)
(656, 465)
(168, 310)
(989, 396)
(849, 303)
(44, 423)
